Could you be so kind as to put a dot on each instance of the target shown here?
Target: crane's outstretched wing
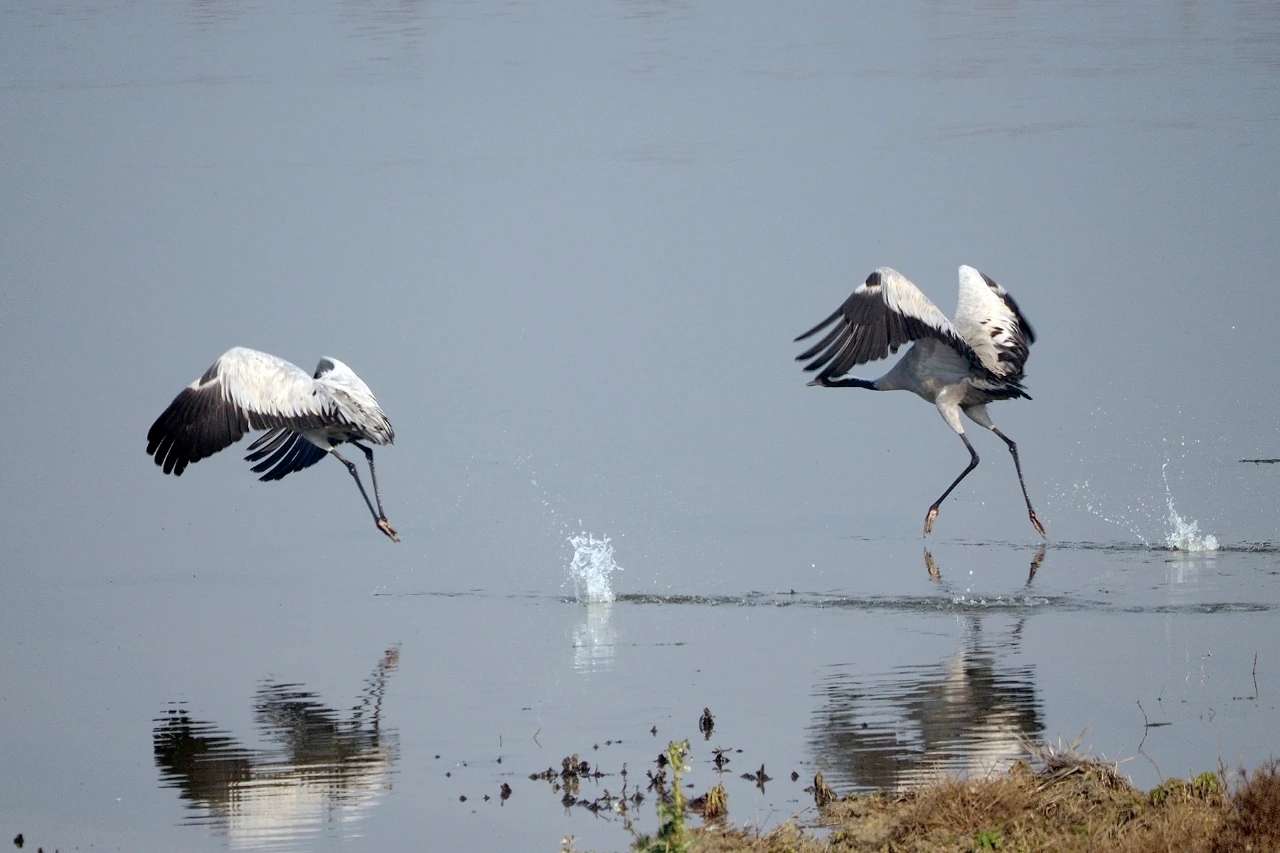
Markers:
(885, 312)
(283, 451)
(991, 323)
(243, 390)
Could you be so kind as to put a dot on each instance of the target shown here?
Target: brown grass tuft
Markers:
(1253, 820)
(1070, 803)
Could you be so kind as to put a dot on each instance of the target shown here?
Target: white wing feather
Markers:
(354, 400)
(990, 322)
(264, 384)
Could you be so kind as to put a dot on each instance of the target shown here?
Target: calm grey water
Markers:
(568, 246)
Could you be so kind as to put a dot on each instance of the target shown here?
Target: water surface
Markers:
(569, 248)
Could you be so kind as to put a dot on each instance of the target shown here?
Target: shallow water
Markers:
(358, 718)
(569, 247)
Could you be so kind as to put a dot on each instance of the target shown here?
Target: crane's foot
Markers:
(929, 519)
(385, 527)
(1035, 522)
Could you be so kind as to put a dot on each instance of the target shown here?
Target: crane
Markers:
(960, 366)
(305, 418)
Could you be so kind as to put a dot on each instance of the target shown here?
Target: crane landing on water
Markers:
(306, 418)
(958, 366)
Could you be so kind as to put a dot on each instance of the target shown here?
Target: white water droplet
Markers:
(1183, 534)
(592, 568)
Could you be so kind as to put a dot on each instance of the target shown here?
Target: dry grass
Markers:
(1069, 803)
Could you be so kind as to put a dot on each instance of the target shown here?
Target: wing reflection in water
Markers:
(971, 713)
(323, 774)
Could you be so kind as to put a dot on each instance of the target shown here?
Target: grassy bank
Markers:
(1065, 803)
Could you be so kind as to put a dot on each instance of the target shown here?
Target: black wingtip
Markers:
(823, 324)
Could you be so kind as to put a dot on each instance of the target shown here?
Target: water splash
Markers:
(1176, 532)
(592, 568)
(1183, 534)
(1084, 496)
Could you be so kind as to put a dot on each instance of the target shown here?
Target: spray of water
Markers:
(1084, 496)
(1183, 534)
(1178, 533)
(592, 567)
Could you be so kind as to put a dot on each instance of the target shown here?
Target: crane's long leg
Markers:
(933, 510)
(379, 521)
(1013, 450)
(377, 497)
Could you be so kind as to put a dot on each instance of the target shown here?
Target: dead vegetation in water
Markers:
(1067, 802)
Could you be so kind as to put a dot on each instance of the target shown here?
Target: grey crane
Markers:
(306, 418)
(960, 366)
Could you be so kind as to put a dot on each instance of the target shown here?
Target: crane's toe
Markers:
(929, 519)
(385, 527)
(1035, 522)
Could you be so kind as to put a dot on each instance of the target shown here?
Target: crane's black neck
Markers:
(851, 383)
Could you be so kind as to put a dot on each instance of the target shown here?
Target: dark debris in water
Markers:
(706, 723)
(759, 777)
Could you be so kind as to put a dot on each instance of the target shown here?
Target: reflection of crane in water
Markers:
(325, 770)
(971, 713)
(935, 573)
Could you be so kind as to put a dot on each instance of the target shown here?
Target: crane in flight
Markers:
(306, 418)
(959, 366)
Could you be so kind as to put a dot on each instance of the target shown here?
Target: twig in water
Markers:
(1254, 697)
(1147, 725)
(535, 738)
